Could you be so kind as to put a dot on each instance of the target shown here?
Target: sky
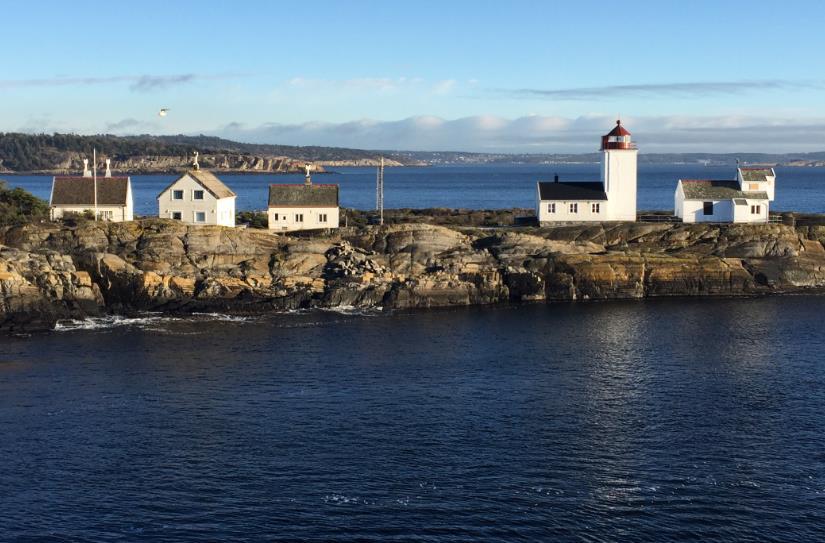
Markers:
(514, 76)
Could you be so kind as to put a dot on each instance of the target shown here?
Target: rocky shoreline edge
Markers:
(51, 272)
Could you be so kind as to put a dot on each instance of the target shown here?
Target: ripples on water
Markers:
(650, 421)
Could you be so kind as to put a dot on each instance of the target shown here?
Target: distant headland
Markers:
(55, 154)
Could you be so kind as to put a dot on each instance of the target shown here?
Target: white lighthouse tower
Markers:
(619, 173)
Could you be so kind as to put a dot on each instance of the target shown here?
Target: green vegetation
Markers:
(253, 219)
(30, 152)
(18, 206)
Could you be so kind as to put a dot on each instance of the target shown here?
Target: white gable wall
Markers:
(216, 211)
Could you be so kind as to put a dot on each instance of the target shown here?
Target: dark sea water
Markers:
(475, 187)
(671, 420)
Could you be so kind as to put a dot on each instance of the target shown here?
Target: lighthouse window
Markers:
(707, 208)
(594, 208)
(574, 208)
(551, 208)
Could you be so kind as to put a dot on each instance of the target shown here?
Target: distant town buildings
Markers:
(198, 197)
(613, 198)
(303, 207)
(743, 200)
(107, 198)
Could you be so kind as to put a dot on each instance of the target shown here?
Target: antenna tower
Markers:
(379, 192)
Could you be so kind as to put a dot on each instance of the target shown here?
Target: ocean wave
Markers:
(109, 321)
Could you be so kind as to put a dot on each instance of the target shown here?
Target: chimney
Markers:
(86, 171)
(108, 168)
(556, 178)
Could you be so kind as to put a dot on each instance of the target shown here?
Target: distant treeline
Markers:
(28, 152)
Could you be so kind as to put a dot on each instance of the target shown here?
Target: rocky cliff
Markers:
(72, 163)
(50, 271)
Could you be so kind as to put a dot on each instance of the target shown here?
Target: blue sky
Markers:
(475, 76)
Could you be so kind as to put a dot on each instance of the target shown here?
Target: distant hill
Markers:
(58, 153)
(787, 159)
(146, 153)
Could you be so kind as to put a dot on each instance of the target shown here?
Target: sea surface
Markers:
(474, 187)
(659, 420)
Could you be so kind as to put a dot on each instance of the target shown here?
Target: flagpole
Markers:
(94, 175)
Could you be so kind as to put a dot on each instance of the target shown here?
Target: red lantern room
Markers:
(618, 138)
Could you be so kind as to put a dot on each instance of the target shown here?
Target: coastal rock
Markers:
(51, 271)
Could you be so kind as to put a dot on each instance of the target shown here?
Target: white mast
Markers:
(94, 176)
(379, 192)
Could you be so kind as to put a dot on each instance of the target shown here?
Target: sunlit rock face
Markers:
(49, 272)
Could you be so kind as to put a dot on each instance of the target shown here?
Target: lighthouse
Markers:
(619, 173)
(612, 198)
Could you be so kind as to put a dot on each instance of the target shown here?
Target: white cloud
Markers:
(547, 134)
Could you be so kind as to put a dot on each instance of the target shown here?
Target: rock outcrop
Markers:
(50, 272)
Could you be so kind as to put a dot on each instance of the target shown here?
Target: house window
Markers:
(594, 208)
(551, 208)
(707, 208)
(177, 195)
(753, 186)
(756, 210)
(176, 215)
(274, 216)
(197, 195)
(299, 217)
(106, 215)
(322, 217)
(574, 208)
(200, 216)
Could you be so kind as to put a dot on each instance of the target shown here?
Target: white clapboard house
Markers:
(613, 198)
(109, 197)
(303, 207)
(743, 200)
(198, 197)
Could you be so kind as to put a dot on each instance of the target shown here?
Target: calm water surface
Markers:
(647, 421)
(474, 187)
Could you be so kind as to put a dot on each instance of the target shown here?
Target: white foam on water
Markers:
(109, 321)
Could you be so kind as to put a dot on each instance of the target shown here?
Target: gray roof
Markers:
(756, 174)
(303, 195)
(579, 190)
(707, 189)
(80, 191)
(208, 181)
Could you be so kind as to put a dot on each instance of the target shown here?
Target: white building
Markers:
(303, 207)
(198, 197)
(611, 199)
(109, 197)
(745, 200)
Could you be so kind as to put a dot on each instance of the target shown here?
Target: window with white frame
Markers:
(594, 208)
(322, 217)
(176, 215)
(574, 208)
(551, 208)
(177, 195)
(274, 216)
(299, 217)
(106, 215)
(756, 210)
(197, 195)
(200, 216)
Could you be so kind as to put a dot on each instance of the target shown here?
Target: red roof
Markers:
(618, 130)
